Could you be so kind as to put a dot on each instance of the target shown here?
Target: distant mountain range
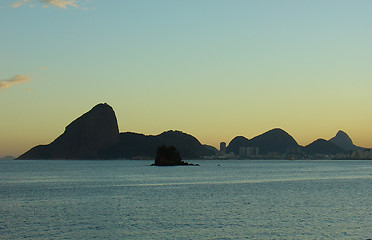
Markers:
(279, 141)
(95, 135)
(135, 145)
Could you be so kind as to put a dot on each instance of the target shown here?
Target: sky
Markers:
(215, 69)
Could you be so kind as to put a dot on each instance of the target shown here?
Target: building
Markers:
(242, 151)
(249, 152)
(222, 147)
(362, 154)
(252, 151)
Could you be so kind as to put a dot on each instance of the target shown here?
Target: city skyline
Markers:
(213, 69)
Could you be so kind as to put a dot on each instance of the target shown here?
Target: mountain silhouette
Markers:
(343, 141)
(322, 146)
(95, 135)
(236, 143)
(275, 140)
(84, 138)
(133, 145)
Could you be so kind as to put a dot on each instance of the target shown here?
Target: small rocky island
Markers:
(169, 156)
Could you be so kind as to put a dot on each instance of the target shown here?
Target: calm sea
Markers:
(216, 200)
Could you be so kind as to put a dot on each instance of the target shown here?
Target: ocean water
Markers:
(216, 200)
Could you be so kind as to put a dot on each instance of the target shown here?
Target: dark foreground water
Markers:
(217, 200)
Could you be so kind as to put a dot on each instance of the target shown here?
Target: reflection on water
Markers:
(217, 200)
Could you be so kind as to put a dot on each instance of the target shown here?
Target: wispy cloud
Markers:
(60, 3)
(17, 79)
(48, 3)
(17, 4)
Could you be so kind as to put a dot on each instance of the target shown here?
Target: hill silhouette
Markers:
(275, 140)
(135, 145)
(237, 142)
(322, 146)
(95, 135)
(343, 141)
(84, 138)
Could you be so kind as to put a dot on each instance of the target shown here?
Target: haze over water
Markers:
(217, 200)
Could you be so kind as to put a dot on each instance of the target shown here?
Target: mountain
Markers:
(236, 143)
(275, 140)
(322, 146)
(84, 138)
(343, 141)
(210, 149)
(95, 135)
(135, 145)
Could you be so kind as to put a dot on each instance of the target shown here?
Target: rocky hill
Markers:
(95, 135)
(275, 140)
(322, 146)
(343, 141)
(84, 138)
(135, 145)
(237, 142)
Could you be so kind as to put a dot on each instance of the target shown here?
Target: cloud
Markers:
(17, 79)
(60, 3)
(43, 68)
(17, 4)
(48, 3)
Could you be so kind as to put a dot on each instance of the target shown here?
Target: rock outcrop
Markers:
(95, 135)
(343, 141)
(168, 156)
(84, 138)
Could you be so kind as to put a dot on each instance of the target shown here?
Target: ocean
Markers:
(220, 199)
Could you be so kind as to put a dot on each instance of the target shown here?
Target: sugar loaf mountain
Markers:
(95, 135)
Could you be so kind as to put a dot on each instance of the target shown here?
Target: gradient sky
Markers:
(214, 69)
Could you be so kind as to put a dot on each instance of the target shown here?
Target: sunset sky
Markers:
(211, 68)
